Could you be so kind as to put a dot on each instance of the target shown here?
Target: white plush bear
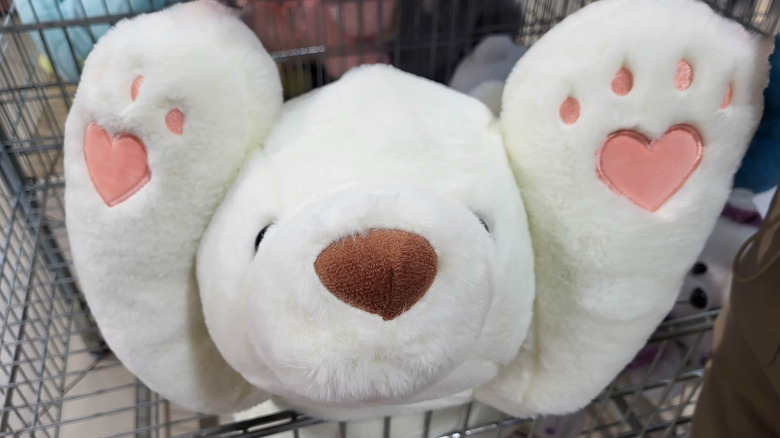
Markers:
(374, 255)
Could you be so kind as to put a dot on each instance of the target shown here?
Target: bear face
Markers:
(360, 167)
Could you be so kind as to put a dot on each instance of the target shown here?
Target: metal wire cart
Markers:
(59, 379)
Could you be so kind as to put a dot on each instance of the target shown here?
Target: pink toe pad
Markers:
(569, 111)
(174, 120)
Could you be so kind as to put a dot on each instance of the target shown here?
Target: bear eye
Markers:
(482, 221)
(484, 224)
(699, 268)
(260, 236)
(698, 298)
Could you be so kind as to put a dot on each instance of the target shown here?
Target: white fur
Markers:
(355, 155)
(135, 261)
(607, 271)
(384, 149)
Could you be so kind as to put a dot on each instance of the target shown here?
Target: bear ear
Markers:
(624, 138)
(168, 107)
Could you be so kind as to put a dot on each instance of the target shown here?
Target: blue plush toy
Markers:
(53, 43)
(760, 169)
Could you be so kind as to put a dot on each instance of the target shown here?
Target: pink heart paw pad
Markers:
(117, 166)
(649, 172)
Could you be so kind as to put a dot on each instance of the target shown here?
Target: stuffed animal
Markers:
(389, 245)
(482, 74)
(311, 24)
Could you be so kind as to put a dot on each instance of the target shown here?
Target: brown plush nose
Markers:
(384, 272)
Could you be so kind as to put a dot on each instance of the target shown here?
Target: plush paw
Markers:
(168, 107)
(649, 172)
(624, 145)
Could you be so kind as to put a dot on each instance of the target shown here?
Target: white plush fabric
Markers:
(384, 149)
(377, 149)
(135, 260)
(608, 271)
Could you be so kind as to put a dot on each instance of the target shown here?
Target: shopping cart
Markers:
(59, 378)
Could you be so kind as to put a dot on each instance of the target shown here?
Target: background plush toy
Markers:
(289, 24)
(482, 74)
(65, 50)
(374, 256)
(760, 169)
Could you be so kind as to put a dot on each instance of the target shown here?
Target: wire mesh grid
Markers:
(58, 376)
